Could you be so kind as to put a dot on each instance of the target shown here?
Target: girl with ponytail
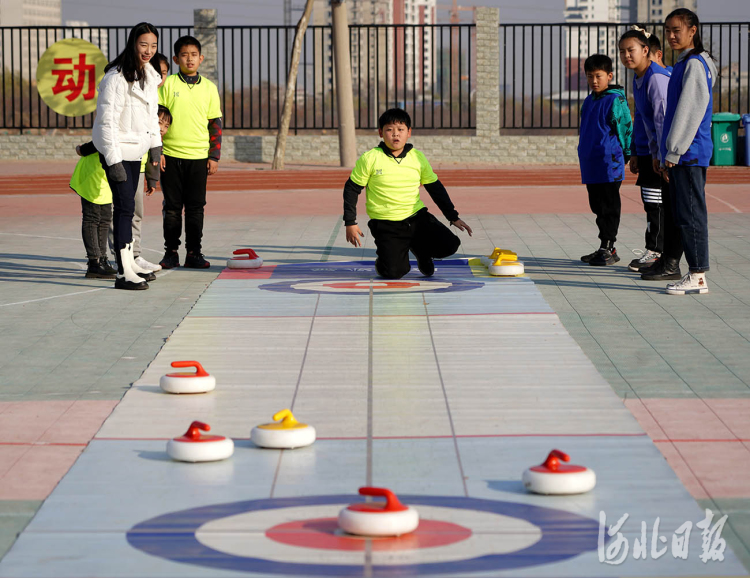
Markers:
(686, 145)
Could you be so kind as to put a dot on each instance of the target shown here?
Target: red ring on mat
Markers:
(324, 534)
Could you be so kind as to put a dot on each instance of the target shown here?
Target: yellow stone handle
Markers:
(286, 417)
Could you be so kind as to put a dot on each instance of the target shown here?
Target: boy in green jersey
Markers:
(392, 173)
(192, 149)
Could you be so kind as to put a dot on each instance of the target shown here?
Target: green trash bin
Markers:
(724, 126)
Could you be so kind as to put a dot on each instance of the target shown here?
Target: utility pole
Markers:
(344, 97)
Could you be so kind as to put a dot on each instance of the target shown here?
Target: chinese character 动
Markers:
(86, 73)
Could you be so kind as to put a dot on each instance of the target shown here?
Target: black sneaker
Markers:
(170, 260)
(106, 267)
(587, 258)
(195, 261)
(426, 266)
(604, 257)
(95, 271)
(666, 269)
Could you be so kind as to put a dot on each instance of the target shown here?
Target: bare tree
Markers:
(291, 88)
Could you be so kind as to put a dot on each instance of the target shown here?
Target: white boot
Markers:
(137, 269)
(128, 279)
(690, 283)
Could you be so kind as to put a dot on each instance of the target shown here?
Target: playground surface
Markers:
(443, 389)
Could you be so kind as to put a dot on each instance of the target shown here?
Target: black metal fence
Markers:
(542, 83)
(428, 70)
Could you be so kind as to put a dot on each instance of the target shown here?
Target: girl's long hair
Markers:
(126, 61)
(690, 19)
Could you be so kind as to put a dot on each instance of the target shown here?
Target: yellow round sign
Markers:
(68, 76)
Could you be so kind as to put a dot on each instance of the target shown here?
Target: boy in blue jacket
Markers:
(603, 149)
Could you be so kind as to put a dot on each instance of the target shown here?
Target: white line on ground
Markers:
(52, 297)
(730, 205)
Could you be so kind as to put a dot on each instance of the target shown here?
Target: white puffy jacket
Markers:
(127, 123)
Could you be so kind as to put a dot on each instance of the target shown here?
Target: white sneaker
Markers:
(690, 283)
(646, 259)
(143, 264)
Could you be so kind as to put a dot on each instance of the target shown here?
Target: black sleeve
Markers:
(351, 194)
(214, 139)
(442, 200)
(88, 149)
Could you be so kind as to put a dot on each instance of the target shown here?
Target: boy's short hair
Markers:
(183, 41)
(654, 44)
(598, 62)
(394, 115)
(164, 111)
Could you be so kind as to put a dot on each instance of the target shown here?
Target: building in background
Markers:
(21, 52)
(594, 30)
(657, 10)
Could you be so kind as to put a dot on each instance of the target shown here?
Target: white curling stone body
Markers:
(508, 268)
(283, 439)
(363, 523)
(200, 384)
(244, 263)
(200, 451)
(571, 483)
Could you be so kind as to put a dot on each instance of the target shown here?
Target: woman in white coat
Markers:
(126, 128)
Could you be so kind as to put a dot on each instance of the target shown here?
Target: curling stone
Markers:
(196, 447)
(246, 259)
(186, 382)
(391, 518)
(496, 254)
(285, 433)
(552, 477)
(503, 267)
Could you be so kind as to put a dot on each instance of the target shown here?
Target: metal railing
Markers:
(427, 69)
(542, 83)
(20, 50)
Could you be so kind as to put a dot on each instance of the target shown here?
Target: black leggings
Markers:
(123, 199)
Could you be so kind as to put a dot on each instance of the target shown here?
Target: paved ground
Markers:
(71, 347)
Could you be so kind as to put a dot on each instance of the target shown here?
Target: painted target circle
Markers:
(377, 286)
(175, 536)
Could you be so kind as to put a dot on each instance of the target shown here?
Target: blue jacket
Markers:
(686, 139)
(650, 95)
(605, 136)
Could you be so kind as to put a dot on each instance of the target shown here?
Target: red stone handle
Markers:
(553, 459)
(199, 371)
(249, 252)
(392, 503)
(194, 431)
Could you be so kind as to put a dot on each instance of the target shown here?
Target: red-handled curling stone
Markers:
(553, 477)
(187, 382)
(196, 447)
(391, 518)
(246, 259)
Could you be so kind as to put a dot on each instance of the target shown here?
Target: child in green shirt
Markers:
(399, 222)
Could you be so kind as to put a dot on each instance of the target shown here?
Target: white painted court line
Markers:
(723, 202)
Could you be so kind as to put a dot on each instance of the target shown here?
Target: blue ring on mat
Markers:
(286, 286)
(172, 536)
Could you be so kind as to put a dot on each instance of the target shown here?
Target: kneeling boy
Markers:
(392, 173)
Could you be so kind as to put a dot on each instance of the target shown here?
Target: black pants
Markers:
(672, 234)
(651, 185)
(95, 228)
(123, 199)
(184, 184)
(421, 233)
(604, 200)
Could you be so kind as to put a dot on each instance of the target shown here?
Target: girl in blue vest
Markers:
(650, 95)
(686, 145)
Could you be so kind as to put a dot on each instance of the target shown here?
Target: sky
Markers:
(270, 12)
